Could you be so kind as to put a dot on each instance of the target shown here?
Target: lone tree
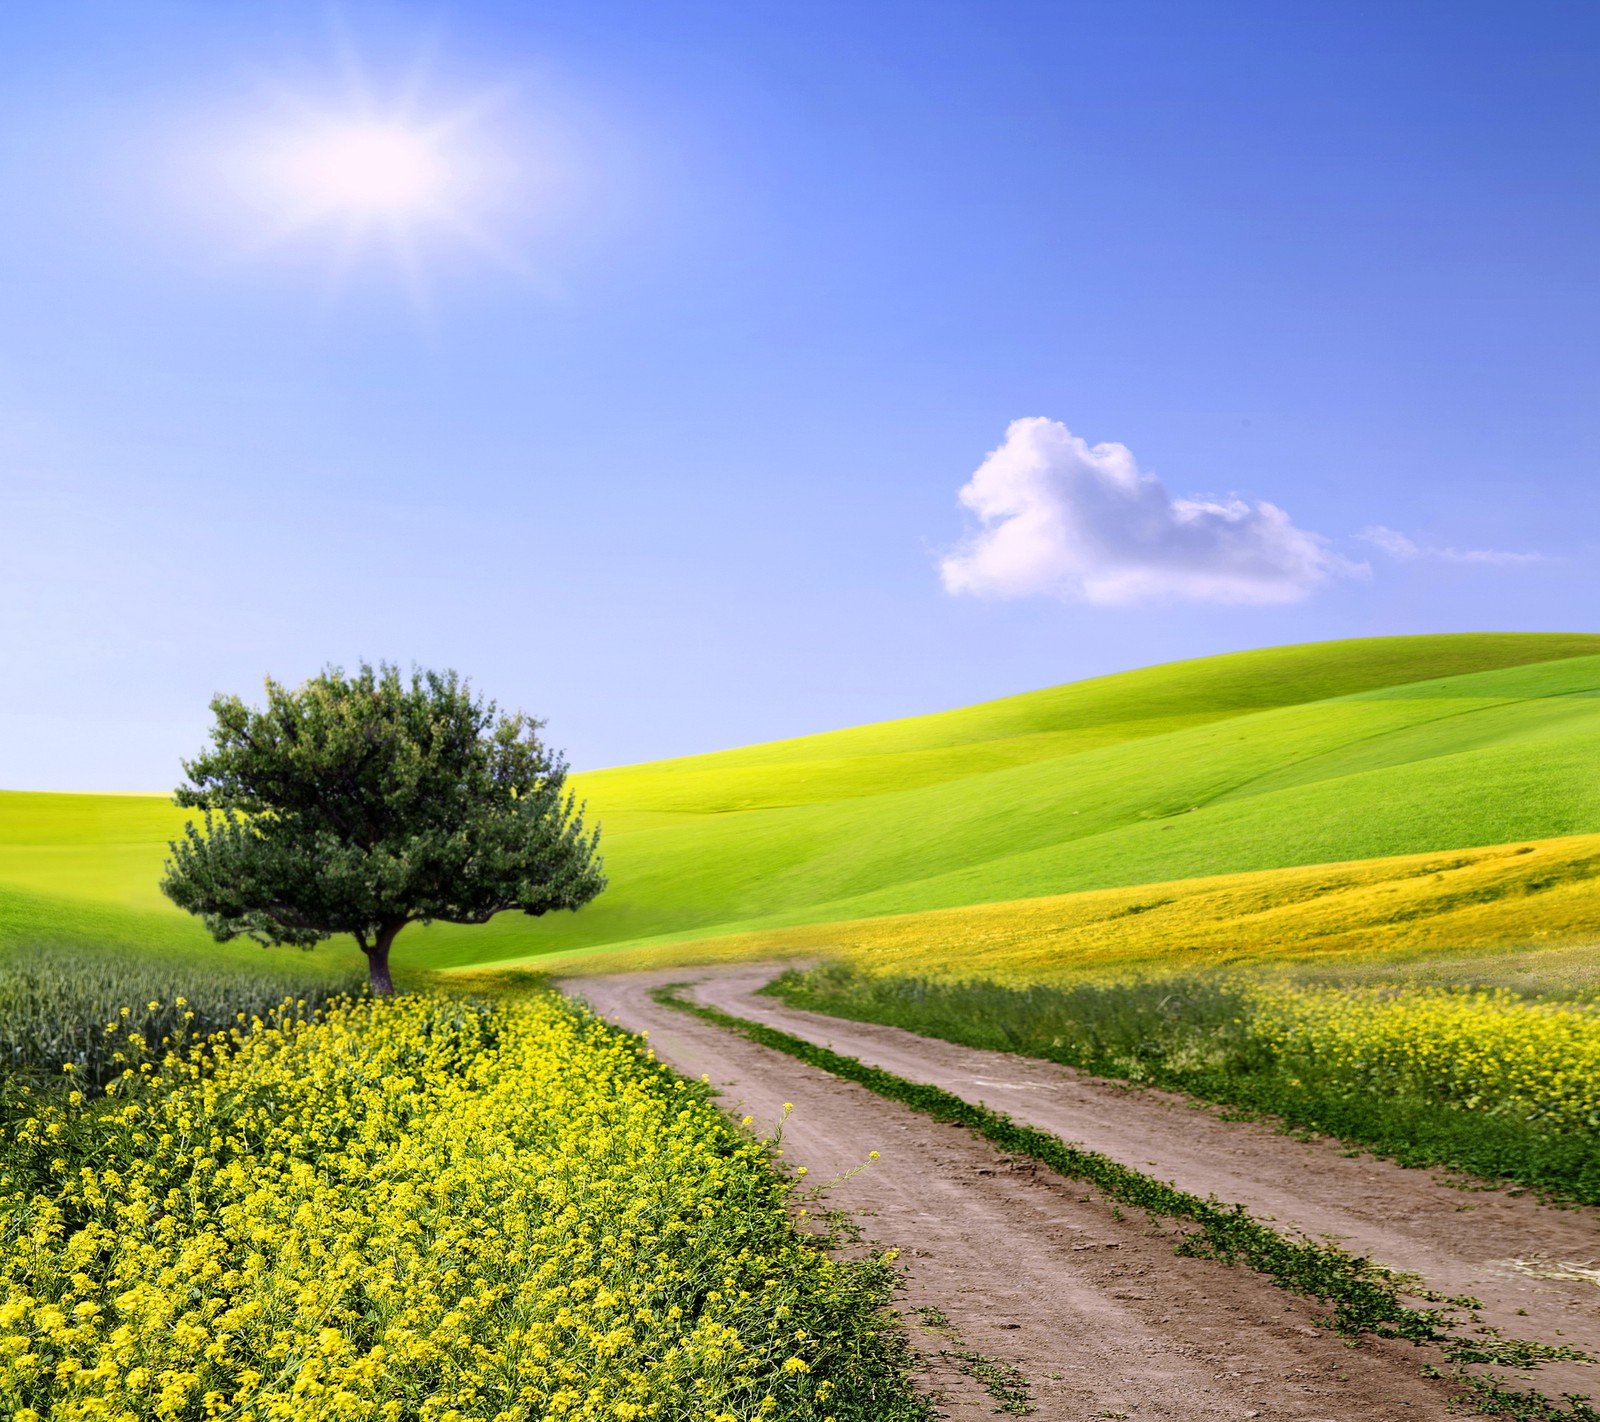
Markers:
(359, 804)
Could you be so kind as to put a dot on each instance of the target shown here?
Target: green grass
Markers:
(79, 876)
(1258, 760)
(1480, 758)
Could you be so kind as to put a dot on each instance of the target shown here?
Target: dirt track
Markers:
(1459, 1241)
(1097, 1312)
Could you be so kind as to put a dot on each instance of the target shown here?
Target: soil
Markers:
(1091, 1305)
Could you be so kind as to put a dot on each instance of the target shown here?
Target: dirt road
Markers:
(1483, 1243)
(1095, 1311)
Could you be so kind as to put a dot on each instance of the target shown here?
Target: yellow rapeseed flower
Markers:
(424, 1209)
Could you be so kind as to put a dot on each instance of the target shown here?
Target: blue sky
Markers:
(672, 451)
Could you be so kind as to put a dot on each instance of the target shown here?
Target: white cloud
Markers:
(1063, 518)
(1391, 541)
(1399, 546)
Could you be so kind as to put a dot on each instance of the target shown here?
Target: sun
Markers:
(365, 169)
(377, 186)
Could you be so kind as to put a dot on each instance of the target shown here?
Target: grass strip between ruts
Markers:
(1365, 1297)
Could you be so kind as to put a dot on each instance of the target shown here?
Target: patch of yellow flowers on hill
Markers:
(426, 1209)
(1519, 896)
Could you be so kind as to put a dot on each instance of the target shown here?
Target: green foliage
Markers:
(359, 804)
(1198, 1035)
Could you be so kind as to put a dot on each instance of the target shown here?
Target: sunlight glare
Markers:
(366, 169)
(377, 181)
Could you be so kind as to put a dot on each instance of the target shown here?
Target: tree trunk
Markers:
(378, 978)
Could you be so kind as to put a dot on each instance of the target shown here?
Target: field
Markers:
(1291, 757)
(1524, 916)
(1349, 885)
(1408, 812)
(55, 1008)
(81, 871)
(431, 1209)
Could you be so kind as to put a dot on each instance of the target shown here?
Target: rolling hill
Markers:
(1524, 915)
(1260, 760)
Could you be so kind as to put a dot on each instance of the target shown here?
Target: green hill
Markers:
(1256, 760)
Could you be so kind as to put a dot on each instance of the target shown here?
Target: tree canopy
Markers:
(359, 804)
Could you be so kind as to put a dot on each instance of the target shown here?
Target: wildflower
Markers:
(494, 1209)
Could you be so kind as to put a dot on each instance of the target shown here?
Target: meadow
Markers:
(1284, 758)
(425, 1208)
(1391, 815)
(1352, 885)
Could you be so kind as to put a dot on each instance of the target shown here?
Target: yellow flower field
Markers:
(1482, 1051)
(427, 1209)
(1528, 909)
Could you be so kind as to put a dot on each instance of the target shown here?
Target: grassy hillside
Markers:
(81, 871)
(1292, 756)
(1279, 758)
(1524, 916)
